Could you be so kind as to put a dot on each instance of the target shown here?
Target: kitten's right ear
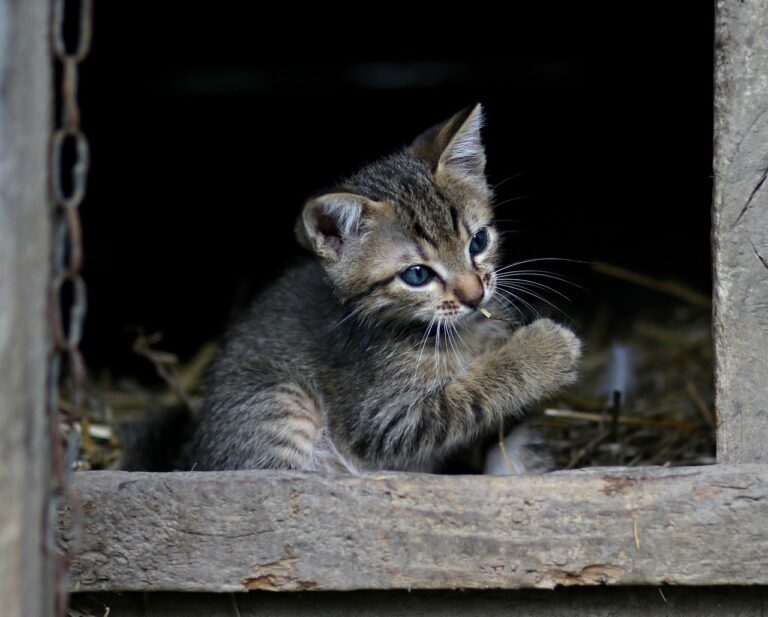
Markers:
(455, 146)
(330, 222)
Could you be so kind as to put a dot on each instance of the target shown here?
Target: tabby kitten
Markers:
(375, 354)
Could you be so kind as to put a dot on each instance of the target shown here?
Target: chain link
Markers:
(69, 165)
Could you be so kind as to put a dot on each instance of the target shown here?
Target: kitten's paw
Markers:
(550, 348)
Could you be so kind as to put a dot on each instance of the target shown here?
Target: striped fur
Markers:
(343, 366)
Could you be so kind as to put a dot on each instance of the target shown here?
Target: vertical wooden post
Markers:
(25, 121)
(740, 230)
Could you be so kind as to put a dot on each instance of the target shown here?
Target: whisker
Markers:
(524, 282)
(514, 279)
(543, 299)
(425, 338)
(529, 292)
(512, 305)
(458, 334)
(539, 273)
(461, 346)
(516, 297)
(537, 259)
(355, 312)
(449, 337)
(506, 201)
(422, 345)
(508, 178)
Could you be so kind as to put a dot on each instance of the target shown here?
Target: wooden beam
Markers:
(740, 231)
(290, 531)
(26, 581)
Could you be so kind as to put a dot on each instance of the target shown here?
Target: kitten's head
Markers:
(410, 236)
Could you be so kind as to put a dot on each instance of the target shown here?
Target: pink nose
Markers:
(468, 288)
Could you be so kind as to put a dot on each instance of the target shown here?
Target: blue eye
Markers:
(478, 242)
(416, 276)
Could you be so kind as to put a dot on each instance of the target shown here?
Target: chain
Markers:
(70, 159)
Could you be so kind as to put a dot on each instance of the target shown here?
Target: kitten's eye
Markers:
(478, 242)
(416, 276)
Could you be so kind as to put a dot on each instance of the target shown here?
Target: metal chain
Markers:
(70, 160)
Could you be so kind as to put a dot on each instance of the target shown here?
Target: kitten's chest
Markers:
(450, 353)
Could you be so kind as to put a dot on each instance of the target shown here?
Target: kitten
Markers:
(375, 354)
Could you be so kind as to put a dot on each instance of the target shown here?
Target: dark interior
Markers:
(210, 125)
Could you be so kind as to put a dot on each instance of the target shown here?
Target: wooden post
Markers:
(740, 231)
(26, 580)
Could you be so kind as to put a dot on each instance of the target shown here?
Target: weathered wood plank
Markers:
(25, 116)
(740, 231)
(287, 531)
(571, 602)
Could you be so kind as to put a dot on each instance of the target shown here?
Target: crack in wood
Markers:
(759, 256)
(747, 205)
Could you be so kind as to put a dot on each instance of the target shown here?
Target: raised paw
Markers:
(549, 349)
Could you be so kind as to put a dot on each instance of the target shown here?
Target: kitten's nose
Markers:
(468, 288)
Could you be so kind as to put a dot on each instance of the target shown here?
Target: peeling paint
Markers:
(270, 582)
(277, 576)
(596, 573)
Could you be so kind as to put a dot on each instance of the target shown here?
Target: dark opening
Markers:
(209, 128)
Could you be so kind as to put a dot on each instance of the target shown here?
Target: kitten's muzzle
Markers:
(469, 290)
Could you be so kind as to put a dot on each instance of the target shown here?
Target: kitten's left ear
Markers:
(455, 146)
(333, 221)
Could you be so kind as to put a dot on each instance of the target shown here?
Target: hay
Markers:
(643, 399)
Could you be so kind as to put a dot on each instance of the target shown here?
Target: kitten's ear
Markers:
(331, 221)
(455, 146)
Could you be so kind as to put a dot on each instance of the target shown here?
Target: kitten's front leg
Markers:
(534, 362)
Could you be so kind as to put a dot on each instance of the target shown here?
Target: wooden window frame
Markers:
(288, 531)
(25, 463)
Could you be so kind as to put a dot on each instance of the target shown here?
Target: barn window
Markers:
(178, 214)
(230, 138)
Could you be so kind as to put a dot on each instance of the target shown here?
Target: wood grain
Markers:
(740, 231)
(291, 531)
(25, 113)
